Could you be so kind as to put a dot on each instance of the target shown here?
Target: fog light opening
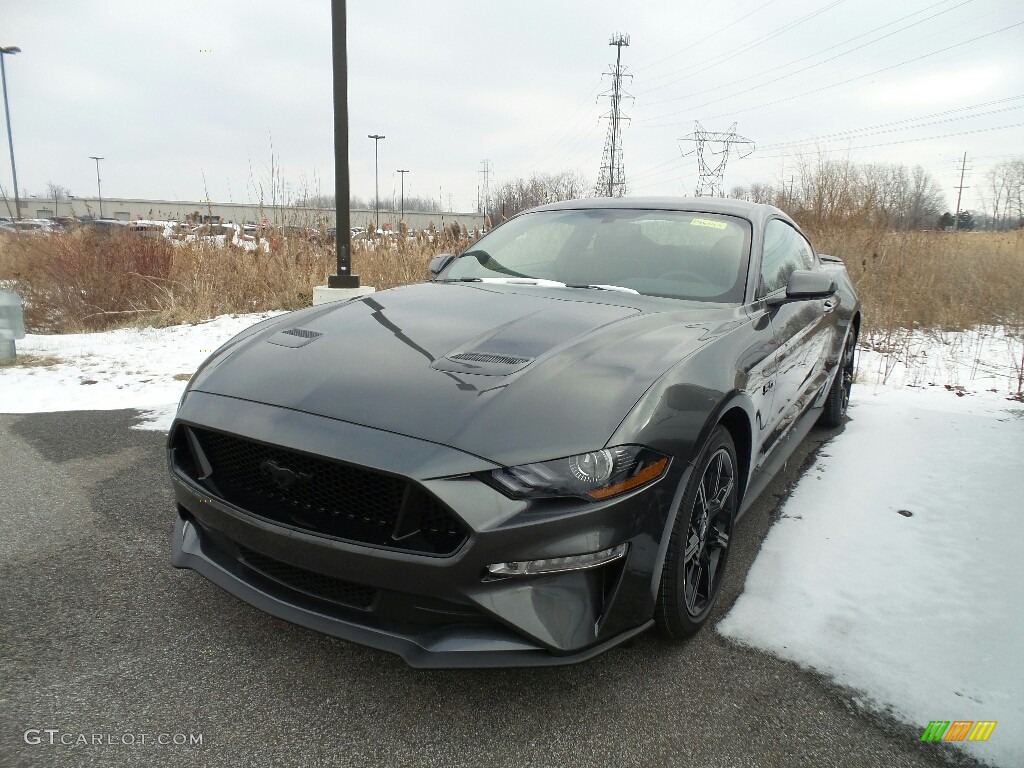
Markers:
(558, 564)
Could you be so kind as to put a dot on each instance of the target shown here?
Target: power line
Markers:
(567, 135)
(912, 141)
(733, 53)
(704, 39)
(836, 84)
(659, 169)
(817, 53)
(870, 132)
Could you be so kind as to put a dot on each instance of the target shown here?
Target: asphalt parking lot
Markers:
(101, 640)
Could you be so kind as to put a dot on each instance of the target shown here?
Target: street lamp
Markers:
(403, 172)
(99, 191)
(5, 51)
(376, 181)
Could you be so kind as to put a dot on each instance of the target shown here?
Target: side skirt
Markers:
(779, 456)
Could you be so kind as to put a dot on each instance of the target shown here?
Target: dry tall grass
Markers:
(930, 279)
(87, 282)
(81, 282)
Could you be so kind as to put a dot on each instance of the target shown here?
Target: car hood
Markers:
(510, 374)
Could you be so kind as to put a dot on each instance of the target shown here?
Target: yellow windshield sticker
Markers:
(708, 223)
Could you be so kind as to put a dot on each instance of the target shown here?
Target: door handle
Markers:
(829, 305)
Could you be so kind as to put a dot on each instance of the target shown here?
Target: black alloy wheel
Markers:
(699, 547)
(839, 395)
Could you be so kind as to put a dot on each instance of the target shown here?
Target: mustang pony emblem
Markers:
(282, 477)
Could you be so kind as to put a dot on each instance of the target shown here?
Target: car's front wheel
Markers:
(839, 395)
(699, 545)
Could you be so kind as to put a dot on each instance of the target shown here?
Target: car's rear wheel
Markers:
(699, 545)
(839, 395)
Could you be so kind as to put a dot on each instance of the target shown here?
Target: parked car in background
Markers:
(217, 235)
(105, 226)
(36, 227)
(530, 459)
(153, 230)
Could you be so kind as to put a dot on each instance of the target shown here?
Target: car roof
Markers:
(755, 212)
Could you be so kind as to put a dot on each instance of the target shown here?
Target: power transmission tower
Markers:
(612, 178)
(711, 145)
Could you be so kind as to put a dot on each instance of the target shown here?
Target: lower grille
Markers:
(313, 584)
(316, 494)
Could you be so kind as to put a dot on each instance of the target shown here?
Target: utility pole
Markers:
(486, 171)
(959, 193)
(10, 50)
(376, 180)
(99, 190)
(710, 181)
(612, 177)
(403, 171)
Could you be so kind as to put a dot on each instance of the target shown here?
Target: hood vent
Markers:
(481, 357)
(294, 337)
(482, 363)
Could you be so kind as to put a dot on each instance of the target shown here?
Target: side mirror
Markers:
(439, 263)
(805, 285)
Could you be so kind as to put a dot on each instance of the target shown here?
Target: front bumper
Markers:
(433, 611)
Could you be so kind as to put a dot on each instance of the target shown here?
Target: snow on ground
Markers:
(895, 568)
(144, 368)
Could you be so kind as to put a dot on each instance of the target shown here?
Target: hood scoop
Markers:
(482, 357)
(485, 363)
(294, 337)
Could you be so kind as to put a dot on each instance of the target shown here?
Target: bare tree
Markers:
(762, 193)
(511, 197)
(56, 191)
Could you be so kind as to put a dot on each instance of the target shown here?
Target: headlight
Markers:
(594, 475)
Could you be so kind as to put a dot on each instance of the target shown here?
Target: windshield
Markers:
(679, 254)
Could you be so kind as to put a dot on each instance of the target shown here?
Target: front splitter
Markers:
(461, 647)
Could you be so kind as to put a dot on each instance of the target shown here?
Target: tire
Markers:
(839, 394)
(699, 545)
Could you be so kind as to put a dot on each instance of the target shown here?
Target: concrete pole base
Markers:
(324, 295)
(7, 351)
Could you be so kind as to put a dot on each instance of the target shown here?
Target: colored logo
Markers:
(958, 730)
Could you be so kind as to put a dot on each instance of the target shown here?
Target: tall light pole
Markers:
(376, 181)
(342, 198)
(6, 51)
(99, 191)
(403, 172)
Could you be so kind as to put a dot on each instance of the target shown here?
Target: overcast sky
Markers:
(170, 92)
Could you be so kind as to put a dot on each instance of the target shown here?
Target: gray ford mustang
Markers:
(533, 457)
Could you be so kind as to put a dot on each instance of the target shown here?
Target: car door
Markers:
(801, 330)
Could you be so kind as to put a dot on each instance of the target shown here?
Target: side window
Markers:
(784, 252)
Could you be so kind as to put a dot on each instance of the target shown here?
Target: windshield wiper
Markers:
(602, 287)
(459, 280)
(524, 280)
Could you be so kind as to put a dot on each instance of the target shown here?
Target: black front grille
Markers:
(318, 494)
(314, 584)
